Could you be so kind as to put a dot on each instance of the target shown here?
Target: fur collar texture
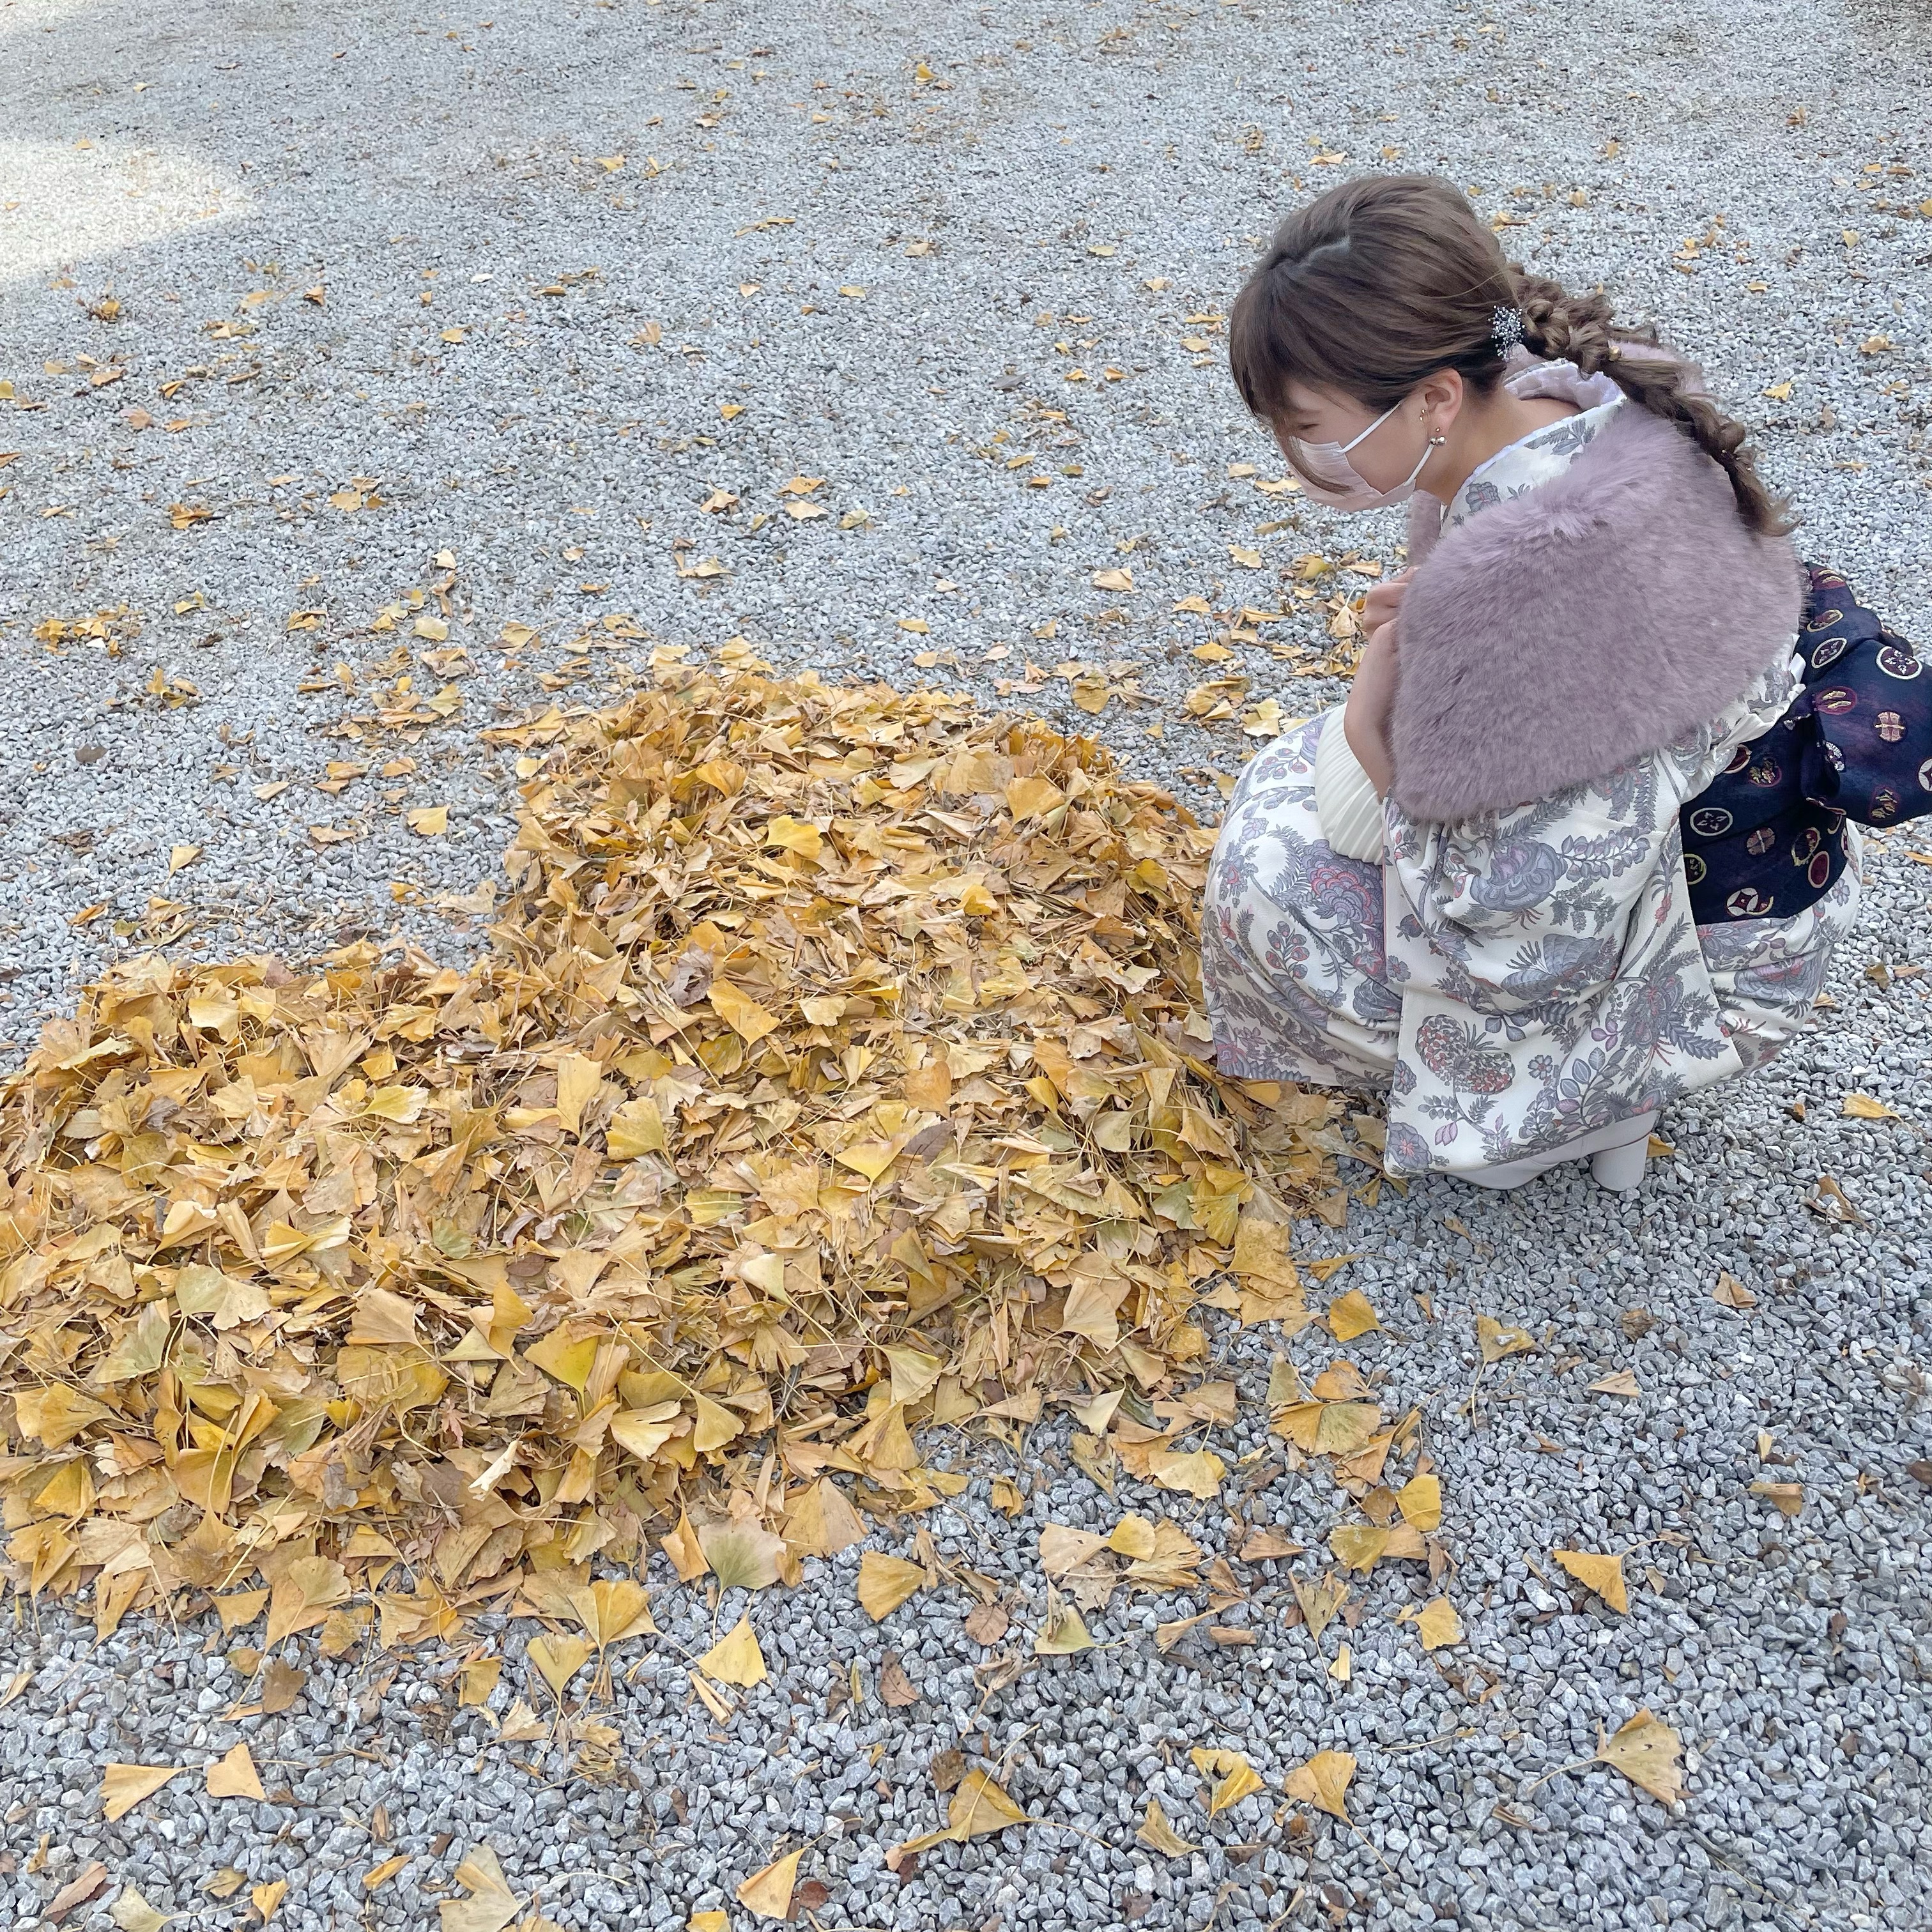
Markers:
(1557, 635)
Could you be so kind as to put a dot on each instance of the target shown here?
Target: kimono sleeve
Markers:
(1519, 910)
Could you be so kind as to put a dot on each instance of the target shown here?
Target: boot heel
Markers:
(1620, 1168)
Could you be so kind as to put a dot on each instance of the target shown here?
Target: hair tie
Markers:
(1505, 329)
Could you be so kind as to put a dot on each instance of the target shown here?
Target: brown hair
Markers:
(1380, 283)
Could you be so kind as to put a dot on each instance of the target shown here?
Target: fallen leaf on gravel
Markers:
(1358, 1546)
(1158, 1835)
(1732, 1292)
(1603, 1574)
(1788, 1498)
(986, 1623)
(735, 1658)
(709, 1921)
(1863, 1107)
(1646, 1751)
(521, 1725)
(17, 1683)
(133, 1913)
(896, 1687)
(1496, 1342)
(768, 1893)
(1438, 1625)
(1113, 579)
(267, 1899)
(1323, 1782)
(225, 1884)
(558, 1656)
(282, 1684)
(1261, 1544)
(1619, 1381)
(1321, 1600)
(1064, 1632)
(77, 1891)
(978, 1808)
(1197, 1472)
(428, 821)
(235, 1776)
(491, 1904)
(886, 1582)
(1231, 1776)
(181, 856)
(379, 1876)
(1350, 1315)
(478, 1678)
(1419, 1499)
(124, 1785)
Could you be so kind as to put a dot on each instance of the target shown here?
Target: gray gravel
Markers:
(206, 170)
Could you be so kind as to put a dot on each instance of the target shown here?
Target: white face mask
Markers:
(1330, 478)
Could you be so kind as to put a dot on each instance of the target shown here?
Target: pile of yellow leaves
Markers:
(836, 1071)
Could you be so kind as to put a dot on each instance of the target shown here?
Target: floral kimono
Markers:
(1518, 975)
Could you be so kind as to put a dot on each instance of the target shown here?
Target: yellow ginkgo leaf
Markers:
(1064, 1632)
(768, 1893)
(1438, 1625)
(1320, 1601)
(267, 1899)
(1419, 1499)
(741, 1013)
(1646, 1751)
(1496, 1342)
(1350, 1315)
(1603, 1574)
(559, 1656)
(1358, 1546)
(124, 1785)
(735, 1658)
(1323, 1782)
(235, 1776)
(886, 1582)
(1231, 1777)
(1195, 1472)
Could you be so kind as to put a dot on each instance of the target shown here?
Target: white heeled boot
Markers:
(1616, 1154)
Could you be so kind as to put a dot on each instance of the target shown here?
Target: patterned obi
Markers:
(1766, 837)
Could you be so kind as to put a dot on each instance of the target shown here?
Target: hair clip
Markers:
(1505, 328)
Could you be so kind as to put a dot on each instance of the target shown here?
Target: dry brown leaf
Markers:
(1732, 1292)
(885, 1583)
(235, 1776)
(1647, 1751)
(1497, 1342)
(768, 1893)
(1158, 1835)
(124, 1785)
(491, 1905)
(1323, 1782)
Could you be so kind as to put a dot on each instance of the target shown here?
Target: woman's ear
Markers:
(1442, 397)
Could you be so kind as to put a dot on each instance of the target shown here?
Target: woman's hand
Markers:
(1385, 600)
(1365, 720)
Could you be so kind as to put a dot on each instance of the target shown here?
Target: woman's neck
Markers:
(1484, 427)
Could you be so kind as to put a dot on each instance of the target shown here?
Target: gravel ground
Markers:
(465, 321)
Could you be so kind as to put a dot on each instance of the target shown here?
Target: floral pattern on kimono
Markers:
(1522, 977)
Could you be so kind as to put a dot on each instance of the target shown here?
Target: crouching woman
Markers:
(1575, 846)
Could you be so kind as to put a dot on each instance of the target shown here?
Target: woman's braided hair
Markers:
(1381, 282)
